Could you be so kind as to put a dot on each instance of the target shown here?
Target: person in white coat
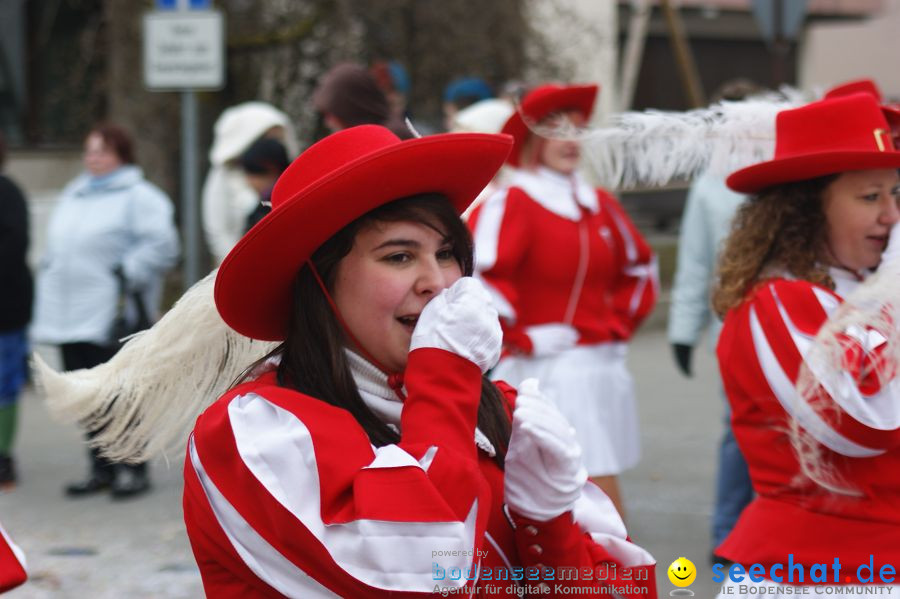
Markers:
(111, 235)
(227, 198)
(706, 221)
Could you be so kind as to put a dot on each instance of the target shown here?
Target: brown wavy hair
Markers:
(782, 228)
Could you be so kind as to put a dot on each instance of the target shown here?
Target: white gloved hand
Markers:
(551, 338)
(461, 319)
(543, 474)
(892, 251)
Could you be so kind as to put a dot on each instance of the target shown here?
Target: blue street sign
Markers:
(793, 12)
(180, 4)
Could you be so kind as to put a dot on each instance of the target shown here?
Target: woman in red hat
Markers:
(367, 455)
(572, 279)
(821, 436)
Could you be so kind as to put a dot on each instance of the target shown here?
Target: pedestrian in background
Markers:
(263, 163)
(227, 197)
(111, 238)
(349, 95)
(486, 116)
(15, 312)
(705, 223)
(573, 279)
(462, 93)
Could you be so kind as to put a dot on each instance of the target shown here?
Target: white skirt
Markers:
(593, 389)
(773, 590)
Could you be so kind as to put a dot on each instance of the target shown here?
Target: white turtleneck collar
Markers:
(381, 399)
(846, 281)
(557, 192)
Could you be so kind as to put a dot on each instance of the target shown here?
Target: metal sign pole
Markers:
(184, 51)
(189, 209)
(189, 212)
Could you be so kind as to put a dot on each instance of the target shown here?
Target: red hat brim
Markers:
(892, 114)
(542, 102)
(809, 166)
(253, 285)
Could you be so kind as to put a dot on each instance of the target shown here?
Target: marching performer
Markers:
(367, 455)
(572, 280)
(821, 435)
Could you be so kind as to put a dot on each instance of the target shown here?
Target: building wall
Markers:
(825, 61)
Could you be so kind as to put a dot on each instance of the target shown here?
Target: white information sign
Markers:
(184, 50)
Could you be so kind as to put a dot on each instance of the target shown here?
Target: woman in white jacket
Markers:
(227, 197)
(110, 225)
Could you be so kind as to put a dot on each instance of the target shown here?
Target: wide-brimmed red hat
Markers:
(845, 133)
(332, 183)
(542, 101)
(867, 86)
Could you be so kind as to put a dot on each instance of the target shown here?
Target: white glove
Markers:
(552, 338)
(543, 473)
(461, 319)
(892, 251)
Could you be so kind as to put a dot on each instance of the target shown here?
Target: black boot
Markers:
(7, 470)
(100, 479)
(131, 480)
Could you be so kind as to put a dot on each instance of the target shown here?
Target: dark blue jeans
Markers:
(733, 488)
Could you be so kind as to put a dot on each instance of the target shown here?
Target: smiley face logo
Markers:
(682, 572)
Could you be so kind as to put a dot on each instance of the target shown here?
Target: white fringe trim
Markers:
(148, 396)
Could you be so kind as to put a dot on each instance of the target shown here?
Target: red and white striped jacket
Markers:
(554, 250)
(286, 497)
(853, 428)
(12, 563)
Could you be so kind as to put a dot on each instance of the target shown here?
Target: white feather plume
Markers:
(873, 306)
(652, 148)
(147, 397)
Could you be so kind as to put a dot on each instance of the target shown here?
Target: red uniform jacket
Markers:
(286, 497)
(554, 250)
(853, 427)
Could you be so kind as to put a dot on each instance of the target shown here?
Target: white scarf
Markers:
(384, 403)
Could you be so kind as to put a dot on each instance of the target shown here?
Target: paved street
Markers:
(102, 549)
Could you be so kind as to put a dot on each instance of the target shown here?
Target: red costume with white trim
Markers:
(856, 429)
(558, 250)
(555, 251)
(285, 496)
(12, 563)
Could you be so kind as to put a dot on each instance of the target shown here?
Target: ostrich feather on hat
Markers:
(147, 397)
(870, 314)
(652, 148)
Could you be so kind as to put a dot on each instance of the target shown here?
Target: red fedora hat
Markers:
(543, 101)
(332, 183)
(854, 86)
(867, 86)
(844, 133)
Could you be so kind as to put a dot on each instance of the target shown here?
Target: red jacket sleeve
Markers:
(635, 290)
(287, 493)
(502, 230)
(12, 563)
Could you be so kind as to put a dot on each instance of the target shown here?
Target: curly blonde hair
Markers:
(782, 228)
